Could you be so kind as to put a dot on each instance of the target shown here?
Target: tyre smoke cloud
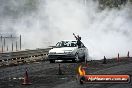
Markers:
(104, 32)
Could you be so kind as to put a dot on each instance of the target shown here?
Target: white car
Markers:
(68, 50)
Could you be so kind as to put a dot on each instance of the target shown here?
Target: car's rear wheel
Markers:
(83, 58)
(52, 61)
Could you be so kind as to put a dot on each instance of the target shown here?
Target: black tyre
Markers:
(83, 58)
(77, 58)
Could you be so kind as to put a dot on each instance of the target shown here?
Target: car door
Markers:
(81, 50)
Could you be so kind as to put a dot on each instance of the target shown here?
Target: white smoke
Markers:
(104, 32)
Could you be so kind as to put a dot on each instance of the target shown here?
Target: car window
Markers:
(66, 44)
(58, 44)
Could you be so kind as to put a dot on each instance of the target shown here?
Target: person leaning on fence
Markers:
(78, 38)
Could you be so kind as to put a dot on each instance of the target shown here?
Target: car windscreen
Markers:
(66, 44)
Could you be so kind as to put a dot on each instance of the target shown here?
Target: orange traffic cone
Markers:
(86, 64)
(118, 57)
(59, 71)
(128, 54)
(26, 80)
(104, 61)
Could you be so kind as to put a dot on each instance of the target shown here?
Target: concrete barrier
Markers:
(15, 58)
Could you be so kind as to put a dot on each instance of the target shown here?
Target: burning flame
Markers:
(81, 71)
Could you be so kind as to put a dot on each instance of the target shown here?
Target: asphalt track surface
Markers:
(45, 75)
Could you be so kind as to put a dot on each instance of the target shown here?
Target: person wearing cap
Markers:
(78, 38)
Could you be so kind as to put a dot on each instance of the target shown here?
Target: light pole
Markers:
(20, 42)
